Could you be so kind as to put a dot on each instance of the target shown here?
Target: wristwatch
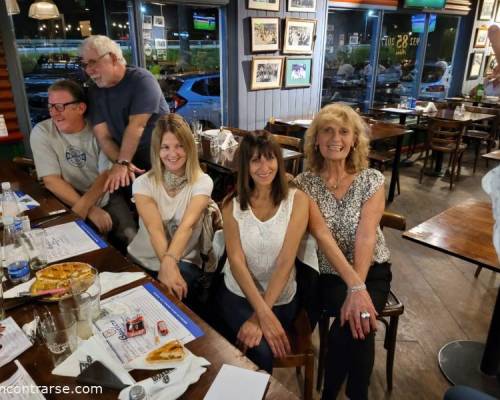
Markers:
(123, 162)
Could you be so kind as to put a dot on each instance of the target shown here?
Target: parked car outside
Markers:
(188, 93)
(435, 82)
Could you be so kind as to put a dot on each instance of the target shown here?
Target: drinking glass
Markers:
(37, 245)
(59, 333)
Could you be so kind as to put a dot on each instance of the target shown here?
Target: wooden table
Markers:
(494, 155)
(465, 231)
(49, 204)
(38, 362)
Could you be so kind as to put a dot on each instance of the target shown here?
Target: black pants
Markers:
(348, 357)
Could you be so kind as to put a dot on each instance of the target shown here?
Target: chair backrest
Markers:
(445, 135)
(490, 124)
(292, 143)
(393, 220)
(284, 128)
(237, 131)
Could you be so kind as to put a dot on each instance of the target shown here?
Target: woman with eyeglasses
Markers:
(171, 199)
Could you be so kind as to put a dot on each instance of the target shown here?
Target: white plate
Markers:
(302, 122)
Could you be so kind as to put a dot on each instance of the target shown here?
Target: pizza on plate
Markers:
(170, 351)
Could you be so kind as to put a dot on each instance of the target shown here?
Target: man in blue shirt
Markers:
(125, 104)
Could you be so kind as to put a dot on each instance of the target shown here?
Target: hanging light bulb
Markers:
(12, 7)
(43, 9)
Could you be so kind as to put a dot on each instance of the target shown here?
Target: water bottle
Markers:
(9, 201)
(2, 309)
(15, 257)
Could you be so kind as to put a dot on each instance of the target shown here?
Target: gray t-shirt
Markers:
(76, 157)
(137, 93)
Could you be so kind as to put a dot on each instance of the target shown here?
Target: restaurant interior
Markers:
(422, 74)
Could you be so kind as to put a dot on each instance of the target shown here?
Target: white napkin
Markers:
(430, 107)
(22, 287)
(228, 142)
(113, 280)
(171, 383)
(141, 363)
(307, 251)
(96, 349)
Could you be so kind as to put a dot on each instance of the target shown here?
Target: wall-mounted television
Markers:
(418, 23)
(203, 22)
(424, 3)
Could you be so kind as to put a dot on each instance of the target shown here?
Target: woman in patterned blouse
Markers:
(346, 205)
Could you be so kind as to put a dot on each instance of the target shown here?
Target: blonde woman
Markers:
(171, 199)
(346, 205)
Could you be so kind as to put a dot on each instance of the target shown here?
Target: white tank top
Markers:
(262, 243)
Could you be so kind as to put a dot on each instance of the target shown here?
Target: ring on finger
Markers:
(365, 315)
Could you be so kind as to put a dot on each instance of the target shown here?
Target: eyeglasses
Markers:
(61, 106)
(92, 63)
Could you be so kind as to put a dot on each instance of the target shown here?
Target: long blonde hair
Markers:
(175, 124)
(343, 115)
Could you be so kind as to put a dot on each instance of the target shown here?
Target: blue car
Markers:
(188, 93)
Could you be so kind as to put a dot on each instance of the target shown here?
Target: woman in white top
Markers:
(263, 225)
(171, 199)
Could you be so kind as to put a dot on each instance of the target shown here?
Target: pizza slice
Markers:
(170, 351)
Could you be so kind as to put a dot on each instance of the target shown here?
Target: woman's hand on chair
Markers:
(171, 277)
(355, 304)
(274, 333)
(249, 334)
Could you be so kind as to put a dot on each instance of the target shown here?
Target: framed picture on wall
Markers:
(497, 15)
(481, 37)
(489, 65)
(160, 44)
(268, 5)
(147, 22)
(475, 61)
(298, 72)
(486, 10)
(265, 34)
(299, 36)
(159, 21)
(302, 5)
(267, 73)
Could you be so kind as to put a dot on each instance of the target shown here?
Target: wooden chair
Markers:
(292, 143)
(26, 164)
(392, 310)
(485, 132)
(284, 128)
(302, 352)
(446, 137)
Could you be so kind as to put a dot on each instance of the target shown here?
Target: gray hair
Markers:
(102, 45)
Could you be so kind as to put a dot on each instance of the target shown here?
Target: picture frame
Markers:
(147, 34)
(489, 65)
(481, 37)
(302, 5)
(497, 15)
(267, 5)
(299, 36)
(267, 73)
(298, 72)
(147, 22)
(265, 34)
(354, 39)
(486, 10)
(475, 62)
(159, 21)
(160, 44)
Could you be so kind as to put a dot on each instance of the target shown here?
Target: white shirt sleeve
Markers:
(44, 155)
(143, 185)
(204, 186)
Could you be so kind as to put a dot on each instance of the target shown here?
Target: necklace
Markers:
(335, 185)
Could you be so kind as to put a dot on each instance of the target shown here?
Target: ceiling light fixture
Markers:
(43, 9)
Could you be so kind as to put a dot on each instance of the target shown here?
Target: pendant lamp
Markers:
(12, 7)
(43, 9)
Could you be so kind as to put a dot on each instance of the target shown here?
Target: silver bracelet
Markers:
(171, 256)
(356, 288)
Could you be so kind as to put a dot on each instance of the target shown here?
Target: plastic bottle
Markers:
(9, 201)
(15, 257)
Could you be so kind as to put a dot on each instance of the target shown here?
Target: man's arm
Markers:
(106, 142)
(123, 175)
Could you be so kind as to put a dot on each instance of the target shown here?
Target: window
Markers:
(348, 71)
(48, 49)
(182, 42)
(214, 87)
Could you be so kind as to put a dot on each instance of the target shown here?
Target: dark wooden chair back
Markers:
(445, 135)
(284, 128)
(292, 143)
